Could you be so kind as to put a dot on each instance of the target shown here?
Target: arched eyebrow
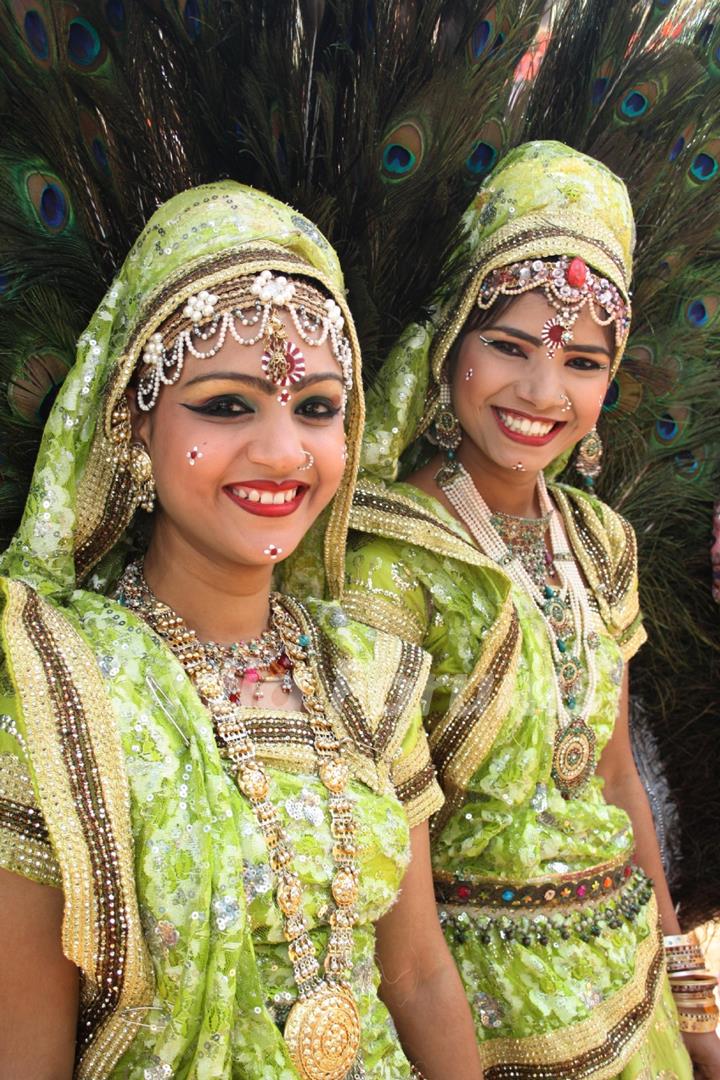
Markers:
(536, 341)
(258, 383)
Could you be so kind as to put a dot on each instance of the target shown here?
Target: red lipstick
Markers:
(267, 509)
(528, 440)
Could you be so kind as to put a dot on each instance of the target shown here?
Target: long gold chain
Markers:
(323, 1028)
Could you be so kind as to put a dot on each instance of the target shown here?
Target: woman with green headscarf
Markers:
(206, 789)
(526, 596)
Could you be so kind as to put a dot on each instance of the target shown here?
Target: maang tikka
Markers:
(246, 308)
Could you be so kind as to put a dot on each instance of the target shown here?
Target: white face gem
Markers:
(519, 467)
(469, 374)
(272, 551)
(194, 455)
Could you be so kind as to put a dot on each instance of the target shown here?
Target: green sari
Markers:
(553, 927)
(112, 787)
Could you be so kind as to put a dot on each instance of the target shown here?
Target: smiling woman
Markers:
(210, 793)
(525, 594)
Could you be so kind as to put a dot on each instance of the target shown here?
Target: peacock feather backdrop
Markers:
(378, 119)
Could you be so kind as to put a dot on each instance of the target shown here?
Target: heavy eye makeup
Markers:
(232, 406)
(511, 348)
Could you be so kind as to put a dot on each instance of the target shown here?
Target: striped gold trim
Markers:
(366, 606)
(84, 797)
(598, 1047)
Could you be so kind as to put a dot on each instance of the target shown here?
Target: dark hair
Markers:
(475, 321)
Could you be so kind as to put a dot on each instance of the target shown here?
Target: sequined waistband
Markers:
(600, 914)
(560, 891)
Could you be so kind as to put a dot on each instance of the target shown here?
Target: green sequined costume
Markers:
(112, 786)
(554, 931)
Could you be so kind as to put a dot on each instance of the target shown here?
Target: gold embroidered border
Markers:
(382, 512)
(84, 797)
(606, 551)
(364, 604)
(630, 645)
(465, 734)
(598, 1047)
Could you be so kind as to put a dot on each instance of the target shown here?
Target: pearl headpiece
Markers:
(252, 303)
(569, 285)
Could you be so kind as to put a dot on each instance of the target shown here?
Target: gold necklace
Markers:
(322, 1031)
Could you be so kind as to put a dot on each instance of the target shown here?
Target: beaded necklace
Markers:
(567, 618)
(525, 540)
(322, 1031)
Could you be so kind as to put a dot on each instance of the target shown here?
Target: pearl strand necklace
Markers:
(574, 749)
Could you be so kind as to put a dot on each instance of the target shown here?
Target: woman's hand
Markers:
(420, 983)
(704, 1049)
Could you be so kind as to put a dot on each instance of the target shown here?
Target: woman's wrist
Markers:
(692, 985)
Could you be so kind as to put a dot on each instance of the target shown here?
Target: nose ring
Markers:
(309, 463)
(565, 402)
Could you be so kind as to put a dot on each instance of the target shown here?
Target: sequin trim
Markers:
(598, 1047)
(83, 794)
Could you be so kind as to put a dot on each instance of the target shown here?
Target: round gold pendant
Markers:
(573, 758)
(323, 1033)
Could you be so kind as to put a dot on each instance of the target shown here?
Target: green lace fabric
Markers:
(199, 863)
(559, 986)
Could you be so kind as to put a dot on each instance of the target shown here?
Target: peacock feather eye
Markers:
(49, 200)
(700, 311)
(671, 425)
(487, 37)
(95, 142)
(34, 21)
(33, 388)
(705, 164)
(690, 464)
(486, 148)
(636, 102)
(601, 83)
(84, 44)
(191, 16)
(624, 394)
(402, 152)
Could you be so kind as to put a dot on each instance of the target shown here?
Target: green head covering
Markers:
(82, 501)
(544, 200)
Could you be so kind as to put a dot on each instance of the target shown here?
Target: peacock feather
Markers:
(377, 119)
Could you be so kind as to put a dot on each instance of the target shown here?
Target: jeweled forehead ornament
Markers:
(569, 285)
(246, 308)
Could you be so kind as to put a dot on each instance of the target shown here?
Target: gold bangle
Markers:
(684, 941)
(697, 1022)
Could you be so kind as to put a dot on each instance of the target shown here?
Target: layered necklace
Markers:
(322, 1031)
(565, 610)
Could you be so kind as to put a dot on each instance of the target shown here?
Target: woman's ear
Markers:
(140, 420)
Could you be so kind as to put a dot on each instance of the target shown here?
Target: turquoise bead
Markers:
(549, 592)
(304, 641)
(562, 647)
(508, 895)
(571, 703)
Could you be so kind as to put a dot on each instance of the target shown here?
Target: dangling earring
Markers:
(132, 457)
(587, 462)
(141, 472)
(446, 428)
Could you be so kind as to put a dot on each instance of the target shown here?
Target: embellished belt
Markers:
(560, 891)
(585, 915)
